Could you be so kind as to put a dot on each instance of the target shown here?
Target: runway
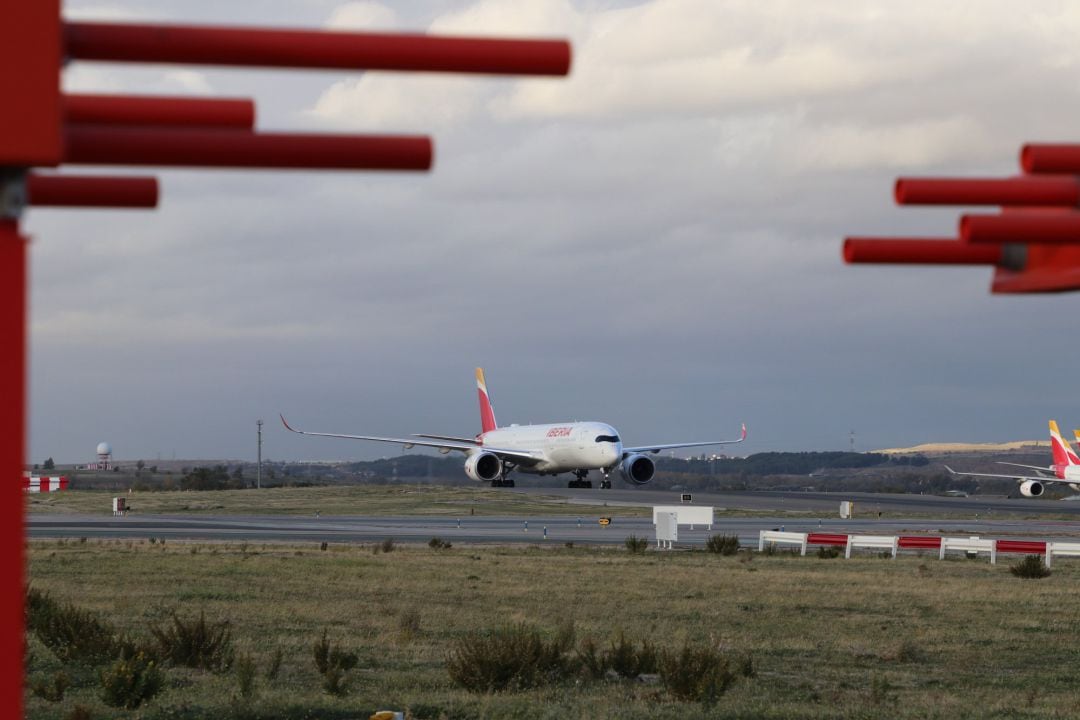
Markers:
(809, 512)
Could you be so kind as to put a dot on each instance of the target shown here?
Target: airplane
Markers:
(1066, 467)
(574, 447)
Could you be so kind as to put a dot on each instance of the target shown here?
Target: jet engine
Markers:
(483, 466)
(1031, 488)
(638, 469)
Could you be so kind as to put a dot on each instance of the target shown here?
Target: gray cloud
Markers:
(653, 241)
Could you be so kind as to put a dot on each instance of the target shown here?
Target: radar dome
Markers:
(104, 449)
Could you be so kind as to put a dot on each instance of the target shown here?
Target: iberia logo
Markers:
(559, 432)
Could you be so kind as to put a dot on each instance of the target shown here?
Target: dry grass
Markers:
(859, 638)
(327, 500)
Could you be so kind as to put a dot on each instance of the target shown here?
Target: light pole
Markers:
(258, 471)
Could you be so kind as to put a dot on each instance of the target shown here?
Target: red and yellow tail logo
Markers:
(1063, 452)
(487, 415)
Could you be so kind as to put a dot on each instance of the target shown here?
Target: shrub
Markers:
(827, 552)
(245, 675)
(196, 643)
(387, 545)
(514, 657)
(1032, 566)
(79, 712)
(629, 661)
(72, 634)
(333, 664)
(323, 545)
(771, 549)
(723, 544)
(594, 664)
(437, 543)
(909, 652)
(131, 681)
(274, 667)
(696, 673)
(636, 545)
(409, 623)
(52, 691)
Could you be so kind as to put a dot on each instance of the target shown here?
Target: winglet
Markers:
(951, 471)
(744, 431)
(287, 426)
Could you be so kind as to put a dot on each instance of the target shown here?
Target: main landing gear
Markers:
(579, 481)
(504, 479)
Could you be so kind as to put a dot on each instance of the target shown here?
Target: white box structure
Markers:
(686, 514)
(847, 509)
(872, 542)
(971, 544)
(667, 529)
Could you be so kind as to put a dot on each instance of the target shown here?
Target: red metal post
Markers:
(106, 145)
(1050, 158)
(12, 447)
(1021, 228)
(91, 191)
(235, 113)
(30, 55)
(265, 47)
(1024, 191)
(919, 251)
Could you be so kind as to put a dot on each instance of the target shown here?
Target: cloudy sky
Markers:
(653, 241)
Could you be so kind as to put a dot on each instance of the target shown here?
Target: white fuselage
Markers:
(565, 446)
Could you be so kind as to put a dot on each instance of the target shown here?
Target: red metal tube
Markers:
(919, 542)
(1050, 158)
(235, 113)
(1047, 268)
(265, 47)
(91, 191)
(12, 446)
(1026, 547)
(826, 539)
(1021, 228)
(919, 251)
(111, 145)
(1022, 191)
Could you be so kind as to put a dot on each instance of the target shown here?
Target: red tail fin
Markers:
(1063, 452)
(487, 415)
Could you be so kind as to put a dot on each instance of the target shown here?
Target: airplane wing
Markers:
(452, 438)
(1039, 478)
(672, 446)
(1036, 468)
(460, 445)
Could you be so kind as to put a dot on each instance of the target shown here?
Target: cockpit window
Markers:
(607, 438)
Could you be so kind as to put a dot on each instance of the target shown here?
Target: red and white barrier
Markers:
(895, 543)
(52, 483)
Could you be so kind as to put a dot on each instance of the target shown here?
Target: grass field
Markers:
(329, 500)
(908, 638)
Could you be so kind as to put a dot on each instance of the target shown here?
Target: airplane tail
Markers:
(487, 415)
(1063, 452)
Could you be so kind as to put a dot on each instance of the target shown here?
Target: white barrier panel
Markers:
(1061, 549)
(667, 529)
(971, 544)
(781, 538)
(873, 542)
(847, 509)
(686, 514)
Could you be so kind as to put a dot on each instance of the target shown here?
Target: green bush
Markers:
(437, 543)
(723, 544)
(827, 552)
(636, 545)
(1032, 566)
(274, 667)
(52, 690)
(628, 660)
(131, 681)
(79, 712)
(196, 643)
(72, 634)
(333, 664)
(245, 675)
(696, 674)
(387, 545)
(514, 657)
(593, 662)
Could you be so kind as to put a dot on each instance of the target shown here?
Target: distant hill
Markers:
(946, 448)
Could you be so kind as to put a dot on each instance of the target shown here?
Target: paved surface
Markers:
(980, 515)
